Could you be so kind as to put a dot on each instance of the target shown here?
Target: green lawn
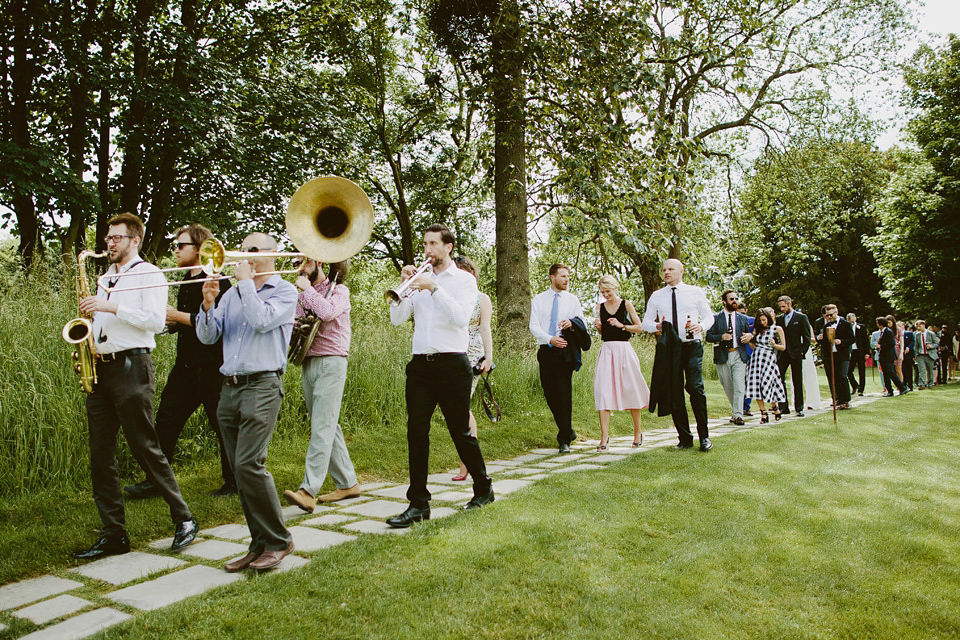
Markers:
(802, 530)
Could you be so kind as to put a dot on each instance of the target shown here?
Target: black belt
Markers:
(118, 356)
(236, 381)
(433, 357)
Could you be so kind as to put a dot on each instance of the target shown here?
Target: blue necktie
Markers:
(554, 312)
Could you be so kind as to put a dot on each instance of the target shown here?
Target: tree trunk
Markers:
(105, 119)
(131, 175)
(510, 179)
(22, 75)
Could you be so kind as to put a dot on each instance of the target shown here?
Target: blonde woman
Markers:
(618, 383)
(480, 345)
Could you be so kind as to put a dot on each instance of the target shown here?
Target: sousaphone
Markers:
(329, 219)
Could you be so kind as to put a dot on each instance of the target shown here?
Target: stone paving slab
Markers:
(161, 544)
(549, 464)
(26, 591)
(605, 458)
(521, 471)
(291, 512)
(291, 561)
(228, 531)
(327, 520)
(453, 496)
(545, 452)
(530, 457)
(627, 451)
(308, 539)
(127, 567)
(579, 467)
(503, 487)
(44, 612)
(505, 463)
(377, 509)
(373, 526)
(173, 587)
(539, 476)
(441, 478)
(370, 486)
(400, 492)
(81, 626)
(214, 549)
(442, 512)
(349, 501)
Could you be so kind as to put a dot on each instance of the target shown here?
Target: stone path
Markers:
(116, 588)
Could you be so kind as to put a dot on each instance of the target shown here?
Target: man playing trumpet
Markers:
(324, 376)
(439, 372)
(255, 320)
(124, 324)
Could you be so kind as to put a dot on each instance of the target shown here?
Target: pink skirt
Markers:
(618, 383)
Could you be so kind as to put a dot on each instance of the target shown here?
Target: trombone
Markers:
(329, 219)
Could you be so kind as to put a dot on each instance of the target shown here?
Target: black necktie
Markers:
(673, 296)
(731, 328)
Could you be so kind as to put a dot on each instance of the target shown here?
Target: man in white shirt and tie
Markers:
(926, 344)
(686, 308)
(439, 372)
(550, 313)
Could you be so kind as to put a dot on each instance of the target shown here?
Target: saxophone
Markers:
(79, 331)
(305, 329)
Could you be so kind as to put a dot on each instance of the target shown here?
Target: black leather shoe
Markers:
(799, 414)
(748, 414)
(144, 489)
(479, 501)
(185, 534)
(104, 547)
(738, 422)
(705, 444)
(225, 490)
(565, 448)
(680, 445)
(408, 517)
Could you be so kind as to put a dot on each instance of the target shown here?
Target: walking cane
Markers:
(831, 333)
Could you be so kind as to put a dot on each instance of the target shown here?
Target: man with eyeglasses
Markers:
(124, 324)
(255, 321)
(195, 378)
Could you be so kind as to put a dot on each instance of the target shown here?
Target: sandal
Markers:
(776, 415)
(603, 445)
(764, 418)
(638, 444)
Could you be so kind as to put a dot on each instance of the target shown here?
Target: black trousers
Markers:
(691, 359)
(188, 387)
(889, 370)
(442, 380)
(907, 368)
(123, 399)
(796, 375)
(840, 378)
(858, 362)
(556, 380)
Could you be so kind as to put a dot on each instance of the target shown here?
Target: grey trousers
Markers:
(927, 367)
(733, 379)
(323, 381)
(247, 414)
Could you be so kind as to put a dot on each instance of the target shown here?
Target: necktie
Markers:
(732, 328)
(554, 311)
(673, 296)
(923, 343)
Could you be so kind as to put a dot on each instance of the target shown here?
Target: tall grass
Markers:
(43, 428)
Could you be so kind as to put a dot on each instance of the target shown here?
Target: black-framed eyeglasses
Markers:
(253, 249)
(181, 245)
(115, 238)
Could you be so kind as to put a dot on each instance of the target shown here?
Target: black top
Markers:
(887, 346)
(190, 351)
(609, 333)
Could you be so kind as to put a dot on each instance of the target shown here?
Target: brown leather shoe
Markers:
(301, 498)
(270, 559)
(340, 494)
(241, 563)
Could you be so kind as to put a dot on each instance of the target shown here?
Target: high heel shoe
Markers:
(764, 417)
(638, 444)
(776, 415)
(603, 444)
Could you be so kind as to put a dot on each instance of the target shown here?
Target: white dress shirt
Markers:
(441, 318)
(540, 308)
(691, 303)
(141, 313)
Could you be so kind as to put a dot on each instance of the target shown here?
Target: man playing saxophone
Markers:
(324, 376)
(124, 323)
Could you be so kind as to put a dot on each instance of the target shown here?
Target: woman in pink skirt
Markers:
(618, 383)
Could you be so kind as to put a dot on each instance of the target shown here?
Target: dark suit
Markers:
(836, 363)
(797, 335)
(909, 344)
(858, 358)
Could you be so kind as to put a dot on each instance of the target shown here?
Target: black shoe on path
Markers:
(479, 501)
(105, 546)
(408, 517)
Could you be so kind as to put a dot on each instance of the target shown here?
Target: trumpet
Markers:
(403, 290)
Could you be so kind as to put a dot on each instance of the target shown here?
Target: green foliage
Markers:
(804, 216)
(918, 243)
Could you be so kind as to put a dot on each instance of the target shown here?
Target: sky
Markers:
(935, 19)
